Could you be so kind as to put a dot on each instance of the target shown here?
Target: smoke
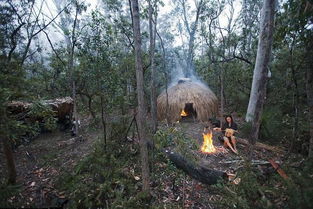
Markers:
(179, 71)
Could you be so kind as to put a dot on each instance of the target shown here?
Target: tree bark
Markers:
(10, 160)
(258, 90)
(166, 76)
(309, 93)
(295, 106)
(71, 70)
(63, 107)
(103, 120)
(222, 95)
(93, 114)
(7, 147)
(152, 31)
(140, 97)
(200, 173)
(70, 39)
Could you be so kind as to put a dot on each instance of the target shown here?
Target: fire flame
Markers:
(183, 113)
(208, 146)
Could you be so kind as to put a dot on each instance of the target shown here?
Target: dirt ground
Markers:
(223, 159)
(42, 161)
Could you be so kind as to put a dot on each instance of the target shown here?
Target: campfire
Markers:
(207, 146)
(183, 113)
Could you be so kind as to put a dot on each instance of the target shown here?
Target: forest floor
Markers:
(41, 163)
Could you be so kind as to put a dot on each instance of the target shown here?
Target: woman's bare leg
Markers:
(233, 141)
(226, 141)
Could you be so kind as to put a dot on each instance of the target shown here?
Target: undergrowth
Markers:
(107, 178)
(7, 192)
(111, 177)
(270, 191)
(176, 140)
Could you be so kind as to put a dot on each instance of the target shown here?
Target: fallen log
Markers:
(253, 162)
(260, 145)
(200, 173)
(63, 107)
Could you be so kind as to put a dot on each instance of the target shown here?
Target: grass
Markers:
(7, 192)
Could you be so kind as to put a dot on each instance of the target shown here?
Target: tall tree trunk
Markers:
(70, 39)
(10, 160)
(166, 76)
(74, 106)
(191, 29)
(7, 148)
(260, 74)
(222, 95)
(152, 31)
(140, 96)
(71, 70)
(295, 107)
(93, 114)
(103, 119)
(309, 93)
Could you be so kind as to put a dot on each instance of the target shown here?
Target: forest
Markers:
(156, 104)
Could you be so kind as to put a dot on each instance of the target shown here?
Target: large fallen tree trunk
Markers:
(259, 145)
(63, 107)
(200, 173)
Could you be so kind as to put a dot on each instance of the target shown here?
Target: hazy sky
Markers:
(56, 35)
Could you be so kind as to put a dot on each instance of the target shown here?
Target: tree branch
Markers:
(40, 30)
(53, 49)
(13, 41)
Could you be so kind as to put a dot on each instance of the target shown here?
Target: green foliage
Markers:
(300, 188)
(105, 178)
(164, 138)
(274, 125)
(173, 137)
(39, 118)
(7, 191)
(245, 130)
(249, 193)
(44, 114)
(271, 191)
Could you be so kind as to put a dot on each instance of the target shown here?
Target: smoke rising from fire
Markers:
(179, 71)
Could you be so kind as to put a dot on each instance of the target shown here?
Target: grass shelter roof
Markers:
(203, 100)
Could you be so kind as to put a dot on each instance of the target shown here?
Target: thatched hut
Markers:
(187, 99)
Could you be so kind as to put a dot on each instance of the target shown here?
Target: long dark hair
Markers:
(232, 120)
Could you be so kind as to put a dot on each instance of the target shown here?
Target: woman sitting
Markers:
(228, 129)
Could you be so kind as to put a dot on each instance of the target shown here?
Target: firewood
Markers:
(278, 169)
(253, 162)
(259, 145)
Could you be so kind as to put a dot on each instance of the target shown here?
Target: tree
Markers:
(71, 39)
(260, 75)
(19, 18)
(309, 92)
(191, 28)
(140, 97)
(309, 71)
(152, 34)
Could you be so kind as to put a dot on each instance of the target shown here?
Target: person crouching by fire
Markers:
(228, 129)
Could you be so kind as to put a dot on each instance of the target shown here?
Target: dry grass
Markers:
(203, 99)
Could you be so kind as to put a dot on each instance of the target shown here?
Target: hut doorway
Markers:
(193, 97)
(189, 113)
